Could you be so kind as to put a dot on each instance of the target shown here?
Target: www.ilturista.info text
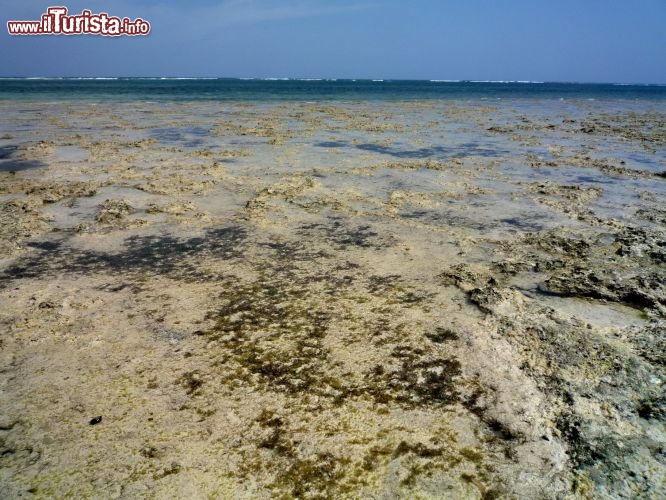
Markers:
(57, 22)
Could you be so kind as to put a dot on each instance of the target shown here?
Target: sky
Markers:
(618, 41)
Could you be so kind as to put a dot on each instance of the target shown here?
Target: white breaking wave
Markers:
(504, 81)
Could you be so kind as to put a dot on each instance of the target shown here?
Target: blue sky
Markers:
(585, 40)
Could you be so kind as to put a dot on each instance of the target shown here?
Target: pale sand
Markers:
(411, 299)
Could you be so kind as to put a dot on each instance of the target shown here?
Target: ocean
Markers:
(274, 89)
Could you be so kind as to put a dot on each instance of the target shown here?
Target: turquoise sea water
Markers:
(170, 89)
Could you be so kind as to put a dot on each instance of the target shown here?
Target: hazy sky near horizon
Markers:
(568, 40)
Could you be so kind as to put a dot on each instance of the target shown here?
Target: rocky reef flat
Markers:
(408, 299)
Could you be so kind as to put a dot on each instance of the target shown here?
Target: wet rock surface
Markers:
(310, 300)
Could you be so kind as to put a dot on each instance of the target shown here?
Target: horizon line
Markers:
(330, 79)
